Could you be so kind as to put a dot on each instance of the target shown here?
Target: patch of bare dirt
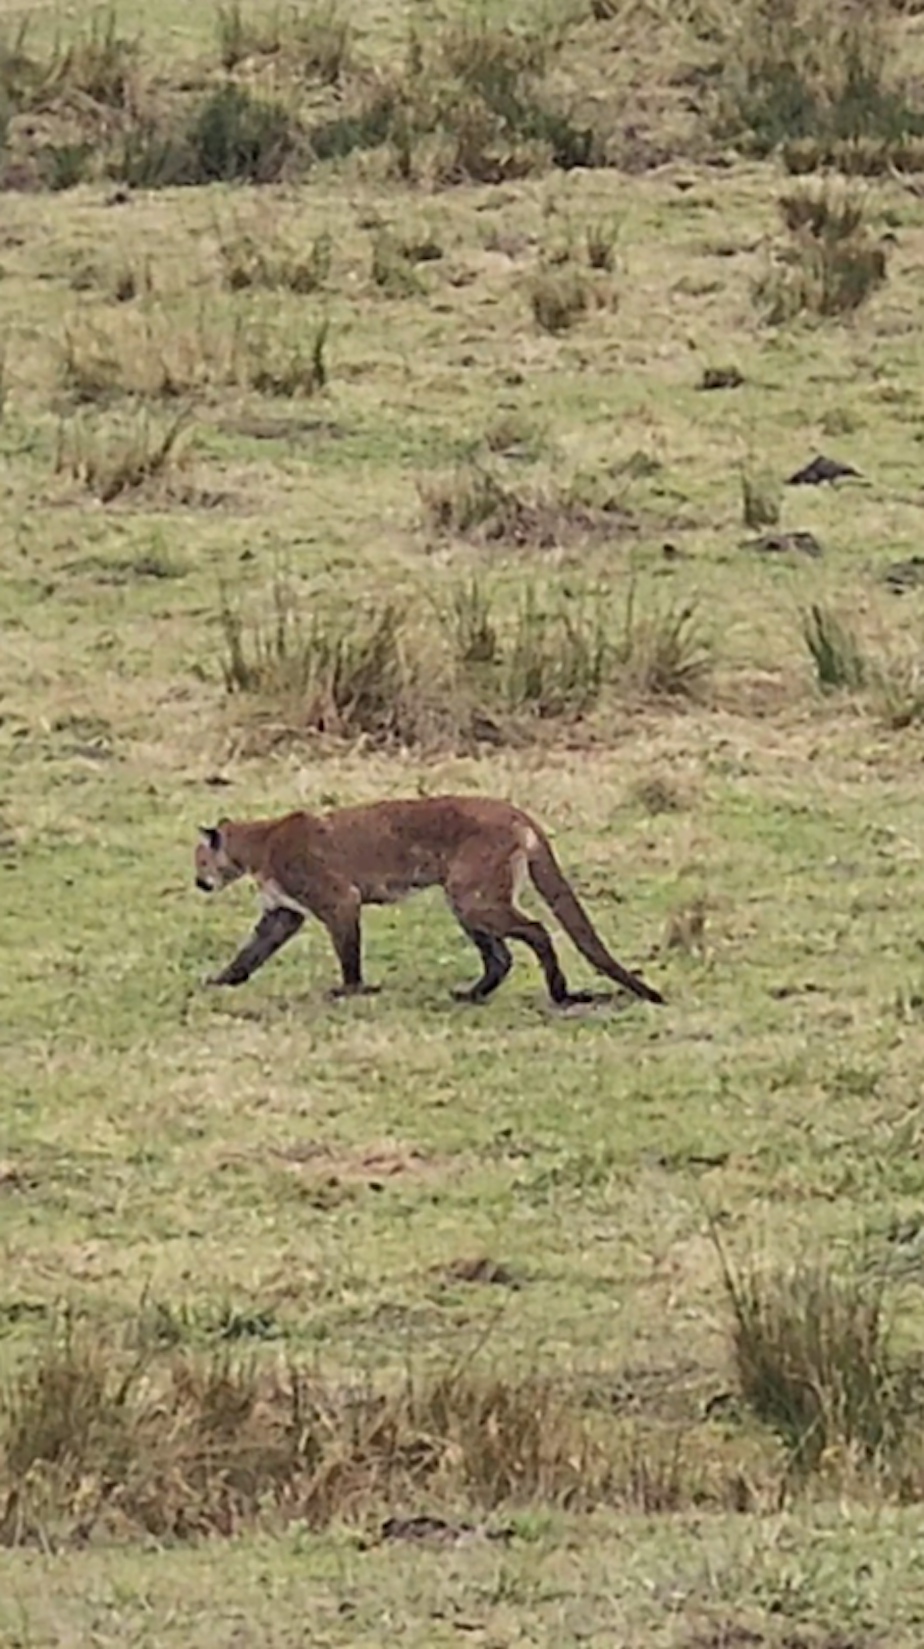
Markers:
(736, 1635)
(435, 1531)
(373, 1165)
(479, 1268)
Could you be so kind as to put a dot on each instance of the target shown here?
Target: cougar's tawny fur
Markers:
(328, 866)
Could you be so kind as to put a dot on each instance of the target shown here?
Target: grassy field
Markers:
(384, 384)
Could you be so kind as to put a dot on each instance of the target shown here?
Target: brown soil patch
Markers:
(478, 1268)
(372, 1165)
(736, 1635)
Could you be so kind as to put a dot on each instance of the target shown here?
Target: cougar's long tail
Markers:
(549, 881)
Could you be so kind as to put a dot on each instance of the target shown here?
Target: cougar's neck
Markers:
(244, 842)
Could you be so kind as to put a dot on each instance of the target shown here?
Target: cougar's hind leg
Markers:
(273, 930)
(482, 897)
(496, 960)
(533, 934)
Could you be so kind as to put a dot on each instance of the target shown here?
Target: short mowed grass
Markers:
(419, 418)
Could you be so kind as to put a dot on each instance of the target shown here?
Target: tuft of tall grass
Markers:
(836, 652)
(119, 457)
(813, 1362)
(387, 675)
(830, 265)
(826, 78)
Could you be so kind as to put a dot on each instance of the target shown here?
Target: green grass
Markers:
(330, 1172)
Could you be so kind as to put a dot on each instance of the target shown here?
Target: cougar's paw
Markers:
(468, 994)
(580, 999)
(226, 977)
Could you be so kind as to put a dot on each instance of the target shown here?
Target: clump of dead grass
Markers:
(814, 1362)
(359, 675)
(98, 1439)
(228, 135)
(820, 79)
(830, 263)
(145, 355)
(453, 669)
(313, 41)
(472, 102)
(477, 501)
(559, 298)
(263, 258)
(124, 456)
(97, 66)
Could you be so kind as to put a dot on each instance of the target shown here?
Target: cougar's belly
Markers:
(387, 890)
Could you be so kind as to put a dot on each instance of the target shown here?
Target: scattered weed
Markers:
(392, 267)
(322, 42)
(559, 298)
(804, 72)
(352, 675)
(261, 260)
(516, 435)
(685, 929)
(314, 41)
(658, 793)
(113, 459)
(813, 1362)
(761, 500)
(601, 240)
(897, 691)
(837, 655)
(267, 359)
(830, 264)
(664, 652)
(474, 502)
(825, 214)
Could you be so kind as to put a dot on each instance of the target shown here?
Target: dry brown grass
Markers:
(478, 502)
(96, 1438)
(452, 666)
(123, 456)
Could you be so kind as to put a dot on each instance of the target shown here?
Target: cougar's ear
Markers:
(211, 837)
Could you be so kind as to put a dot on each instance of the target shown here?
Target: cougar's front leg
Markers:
(343, 925)
(272, 931)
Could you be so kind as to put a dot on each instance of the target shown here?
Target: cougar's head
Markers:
(213, 864)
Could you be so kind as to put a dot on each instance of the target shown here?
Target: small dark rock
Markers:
(904, 575)
(778, 543)
(721, 377)
(822, 469)
(479, 1269)
(438, 1531)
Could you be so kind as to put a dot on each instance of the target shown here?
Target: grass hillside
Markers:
(407, 400)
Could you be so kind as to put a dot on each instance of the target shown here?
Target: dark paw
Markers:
(581, 999)
(469, 994)
(225, 978)
(337, 993)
